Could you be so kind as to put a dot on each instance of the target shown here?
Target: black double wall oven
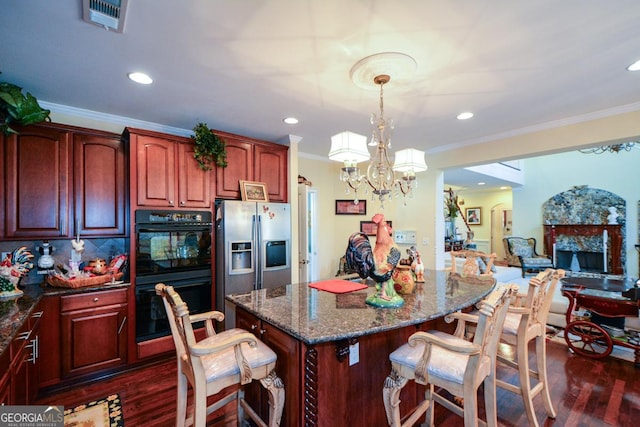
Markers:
(174, 248)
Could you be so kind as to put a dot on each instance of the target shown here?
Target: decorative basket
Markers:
(81, 282)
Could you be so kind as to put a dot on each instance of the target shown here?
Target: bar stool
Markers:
(526, 321)
(232, 357)
(438, 359)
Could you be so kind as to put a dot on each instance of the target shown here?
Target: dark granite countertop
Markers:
(15, 311)
(314, 316)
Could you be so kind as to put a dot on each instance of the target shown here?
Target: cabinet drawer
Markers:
(92, 299)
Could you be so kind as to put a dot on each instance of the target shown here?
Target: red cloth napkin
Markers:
(337, 286)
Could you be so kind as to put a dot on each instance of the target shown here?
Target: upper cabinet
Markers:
(37, 182)
(164, 172)
(253, 160)
(100, 191)
(58, 177)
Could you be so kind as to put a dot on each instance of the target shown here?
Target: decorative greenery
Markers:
(209, 148)
(451, 203)
(18, 109)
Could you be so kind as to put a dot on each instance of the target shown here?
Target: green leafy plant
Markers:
(451, 204)
(18, 109)
(209, 148)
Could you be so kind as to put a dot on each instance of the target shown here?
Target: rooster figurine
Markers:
(12, 268)
(377, 263)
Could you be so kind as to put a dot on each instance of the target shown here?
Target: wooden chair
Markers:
(437, 359)
(475, 263)
(521, 252)
(526, 320)
(232, 357)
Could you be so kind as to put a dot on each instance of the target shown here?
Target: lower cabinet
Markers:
(94, 332)
(288, 368)
(19, 377)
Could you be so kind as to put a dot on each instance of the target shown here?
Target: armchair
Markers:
(521, 252)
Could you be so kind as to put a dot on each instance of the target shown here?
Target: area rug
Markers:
(618, 352)
(105, 412)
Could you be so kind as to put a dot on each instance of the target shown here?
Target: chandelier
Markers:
(381, 180)
(613, 148)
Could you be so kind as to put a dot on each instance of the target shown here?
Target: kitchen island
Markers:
(333, 349)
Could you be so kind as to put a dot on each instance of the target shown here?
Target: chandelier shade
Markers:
(349, 147)
(409, 160)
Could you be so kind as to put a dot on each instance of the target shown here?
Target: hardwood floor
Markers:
(586, 392)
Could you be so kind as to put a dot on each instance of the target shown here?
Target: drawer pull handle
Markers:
(124, 320)
(96, 299)
(37, 315)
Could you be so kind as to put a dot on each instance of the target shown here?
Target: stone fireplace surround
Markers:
(575, 221)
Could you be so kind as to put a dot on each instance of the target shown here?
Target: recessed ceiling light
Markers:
(504, 188)
(635, 66)
(481, 183)
(464, 116)
(290, 121)
(141, 78)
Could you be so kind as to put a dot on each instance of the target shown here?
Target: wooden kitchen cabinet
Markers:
(166, 174)
(38, 185)
(100, 190)
(93, 331)
(253, 160)
(288, 368)
(25, 362)
(59, 176)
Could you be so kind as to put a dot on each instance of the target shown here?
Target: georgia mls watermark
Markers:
(31, 416)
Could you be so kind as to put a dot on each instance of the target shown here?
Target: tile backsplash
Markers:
(93, 248)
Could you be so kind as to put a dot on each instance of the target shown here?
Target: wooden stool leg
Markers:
(490, 403)
(541, 360)
(181, 410)
(391, 397)
(471, 408)
(274, 385)
(525, 382)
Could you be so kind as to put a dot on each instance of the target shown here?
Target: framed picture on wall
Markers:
(474, 216)
(369, 227)
(347, 207)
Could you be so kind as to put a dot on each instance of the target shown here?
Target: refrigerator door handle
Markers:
(259, 255)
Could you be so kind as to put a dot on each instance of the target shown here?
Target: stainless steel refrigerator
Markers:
(253, 249)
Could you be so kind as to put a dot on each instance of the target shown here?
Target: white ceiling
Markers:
(242, 66)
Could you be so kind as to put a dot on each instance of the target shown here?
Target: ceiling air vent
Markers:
(108, 14)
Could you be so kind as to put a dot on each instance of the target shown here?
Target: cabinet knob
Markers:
(254, 327)
(263, 331)
(170, 202)
(96, 299)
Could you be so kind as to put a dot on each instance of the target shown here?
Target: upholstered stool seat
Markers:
(446, 364)
(261, 359)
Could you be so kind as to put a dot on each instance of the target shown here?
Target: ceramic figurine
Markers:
(418, 268)
(12, 268)
(377, 263)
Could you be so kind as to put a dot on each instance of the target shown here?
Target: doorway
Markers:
(307, 226)
(501, 226)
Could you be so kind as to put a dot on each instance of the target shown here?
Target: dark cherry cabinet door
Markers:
(194, 183)
(93, 332)
(99, 185)
(156, 171)
(37, 183)
(271, 168)
(253, 160)
(239, 167)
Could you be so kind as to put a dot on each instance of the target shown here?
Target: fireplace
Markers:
(597, 247)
